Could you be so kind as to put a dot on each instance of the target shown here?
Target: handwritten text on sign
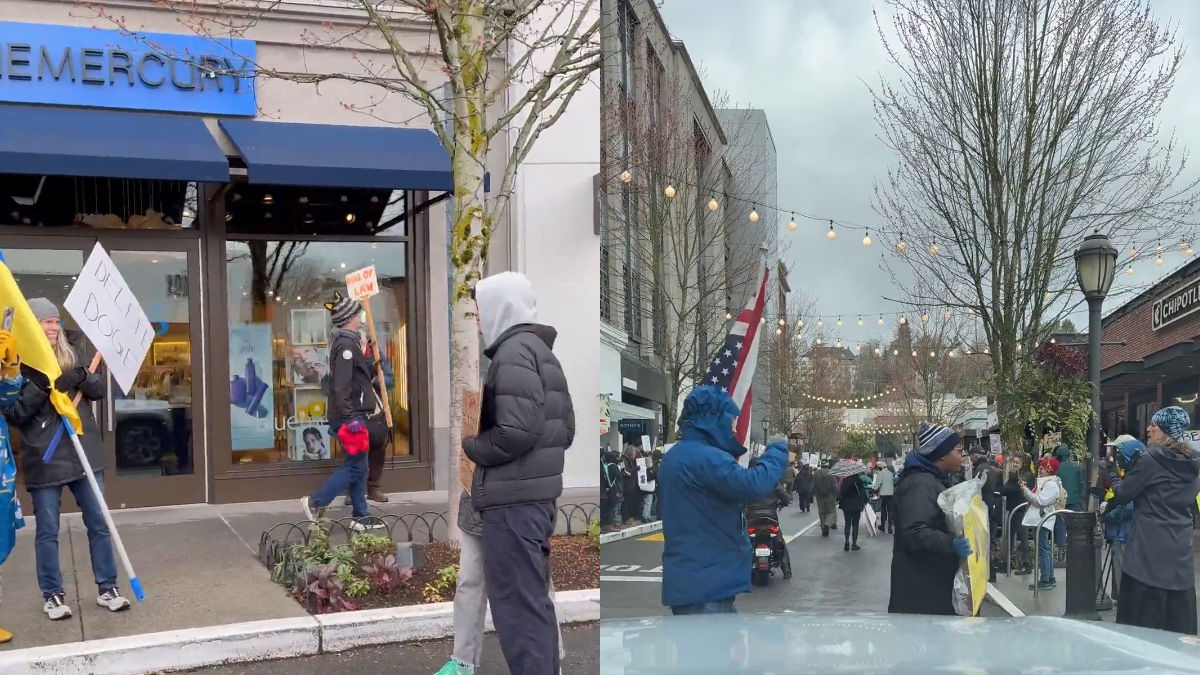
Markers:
(362, 283)
(108, 313)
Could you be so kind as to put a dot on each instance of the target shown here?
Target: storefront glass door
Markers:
(151, 434)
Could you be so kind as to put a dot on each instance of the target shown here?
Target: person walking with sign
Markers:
(48, 468)
(355, 415)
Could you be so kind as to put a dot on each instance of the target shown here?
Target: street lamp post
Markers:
(1095, 262)
(764, 426)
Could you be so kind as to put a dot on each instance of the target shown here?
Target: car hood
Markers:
(798, 643)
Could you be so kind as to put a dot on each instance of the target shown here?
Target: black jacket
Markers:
(853, 494)
(769, 505)
(923, 558)
(1162, 486)
(37, 420)
(351, 387)
(526, 422)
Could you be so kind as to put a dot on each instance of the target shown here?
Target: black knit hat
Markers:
(342, 309)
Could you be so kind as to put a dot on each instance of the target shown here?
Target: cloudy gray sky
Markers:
(807, 64)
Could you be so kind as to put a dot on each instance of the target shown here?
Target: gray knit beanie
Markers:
(43, 309)
(342, 309)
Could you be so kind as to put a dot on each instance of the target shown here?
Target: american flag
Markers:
(732, 367)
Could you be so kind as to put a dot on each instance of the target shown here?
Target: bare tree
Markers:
(511, 68)
(670, 217)
(1020, 126)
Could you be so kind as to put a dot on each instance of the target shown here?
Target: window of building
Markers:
(605, 283)
(68, 202)
(1184, 393)
(627, 29)
(279, 339)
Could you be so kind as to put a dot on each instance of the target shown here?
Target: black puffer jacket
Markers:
(351, 389)
(923, 558)
(526, 422)
(37, 420)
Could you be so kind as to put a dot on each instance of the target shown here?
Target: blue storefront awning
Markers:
(325, 155)
(74, 142)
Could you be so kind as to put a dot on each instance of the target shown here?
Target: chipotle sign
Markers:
(1176, 304)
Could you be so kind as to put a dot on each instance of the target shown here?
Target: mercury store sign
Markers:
(93, 68)
(1177, 304)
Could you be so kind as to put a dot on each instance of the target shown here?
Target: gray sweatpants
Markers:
(471, 605)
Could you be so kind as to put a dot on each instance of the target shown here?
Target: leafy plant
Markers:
(593, 533)
(1053, 394)
(369, 546)
(384, 574)
(438, 589)
(325, 591)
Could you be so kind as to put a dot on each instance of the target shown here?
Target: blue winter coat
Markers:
(10, 508)
(703, 492)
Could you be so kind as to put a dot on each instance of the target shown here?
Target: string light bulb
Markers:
(728, 316)
(779, 331)
(895, 352)
(903, 319)
(839, 344)
(782, 322)
(669, 192)
(860, 321)
(626, 176)
(818, 340)
(914, 353)
(924, 316)
(713, 205)
(877, 351)
(951, 353)
(933, 248)
(867, 238)
(754, 214)
(800, 323)
(901, 246)
(839, 322)
(1159, 261)
(880, 319)
(1133, 255)
(1129, 270)
(820, 323)
(831, 234)
(792, 223)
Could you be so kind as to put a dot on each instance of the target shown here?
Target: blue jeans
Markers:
(47, 508)
(1045, 556)
(648, 499)
(351, 476)
(714, 607)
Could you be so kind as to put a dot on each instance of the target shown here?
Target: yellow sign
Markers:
(975, 529)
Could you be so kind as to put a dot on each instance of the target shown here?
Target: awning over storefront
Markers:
(73, 142)
(325, 155)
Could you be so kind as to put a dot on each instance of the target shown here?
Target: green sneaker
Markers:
(453, 667)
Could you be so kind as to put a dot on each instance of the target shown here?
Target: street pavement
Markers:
(582, 643)
(825, 580)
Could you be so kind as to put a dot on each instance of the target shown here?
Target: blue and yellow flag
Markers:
(32, 346)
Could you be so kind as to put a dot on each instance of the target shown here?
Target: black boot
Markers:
(824, 531)
(846, 547)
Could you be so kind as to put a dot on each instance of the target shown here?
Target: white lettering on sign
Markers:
(110, 316)
(362, 283)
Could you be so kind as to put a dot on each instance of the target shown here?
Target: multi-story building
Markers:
(677, 192)
(234, 206)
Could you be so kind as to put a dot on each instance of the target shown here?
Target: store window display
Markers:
(279, 341)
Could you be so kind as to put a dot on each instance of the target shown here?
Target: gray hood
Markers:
(1178, 458)
(504, 300)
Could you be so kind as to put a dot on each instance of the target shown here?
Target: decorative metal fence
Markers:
(420, 528)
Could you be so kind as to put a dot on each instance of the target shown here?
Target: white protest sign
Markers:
(646, 445)
(110, 316)
(362, 283)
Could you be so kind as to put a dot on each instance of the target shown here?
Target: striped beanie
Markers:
(342, 309)
(935, 441)
(1173, 421)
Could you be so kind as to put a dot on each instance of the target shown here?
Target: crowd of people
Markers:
(628, 485)
(1148, 493)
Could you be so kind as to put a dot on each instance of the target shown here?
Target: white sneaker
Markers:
(112, 600)
(56, 608)
(304, 504)
(367, 523)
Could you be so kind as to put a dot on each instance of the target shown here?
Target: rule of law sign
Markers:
(94, 68)
(1177, 304)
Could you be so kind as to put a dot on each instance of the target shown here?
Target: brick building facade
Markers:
(1157, 362)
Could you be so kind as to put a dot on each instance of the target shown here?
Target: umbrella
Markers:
(847, 467)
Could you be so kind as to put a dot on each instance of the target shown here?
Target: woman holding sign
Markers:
(49, 463)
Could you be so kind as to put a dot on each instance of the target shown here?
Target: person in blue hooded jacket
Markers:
(1118, 522)
(706, 551)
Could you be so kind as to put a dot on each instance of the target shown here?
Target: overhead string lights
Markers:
(850, 400)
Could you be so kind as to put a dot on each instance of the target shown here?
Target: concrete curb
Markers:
(629, 532)
(262, 640)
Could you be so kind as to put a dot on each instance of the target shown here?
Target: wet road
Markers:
(826, 579)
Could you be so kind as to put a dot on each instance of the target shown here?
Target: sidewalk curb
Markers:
(262, 640)
(630, 532)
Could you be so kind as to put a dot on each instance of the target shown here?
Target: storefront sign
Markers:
(109, 315)
(362, 283)
(631, 426)
(89, 67)
(1176, 305)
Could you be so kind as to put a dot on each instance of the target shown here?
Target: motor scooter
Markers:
(766, 551)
